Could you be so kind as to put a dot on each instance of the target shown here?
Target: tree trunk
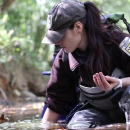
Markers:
(6, 4)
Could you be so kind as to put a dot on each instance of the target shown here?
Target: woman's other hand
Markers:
(105, 83)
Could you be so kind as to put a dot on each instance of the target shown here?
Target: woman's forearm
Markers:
(125, 82)
(50, 116)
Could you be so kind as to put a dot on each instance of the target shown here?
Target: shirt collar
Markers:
(77, 58)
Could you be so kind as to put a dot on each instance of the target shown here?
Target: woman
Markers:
(100, 54)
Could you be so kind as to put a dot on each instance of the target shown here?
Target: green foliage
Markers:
(23, 26)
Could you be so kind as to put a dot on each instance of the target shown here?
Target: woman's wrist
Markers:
(119, 85)
(125, 81)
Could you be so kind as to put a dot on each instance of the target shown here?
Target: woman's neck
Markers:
(83, 43)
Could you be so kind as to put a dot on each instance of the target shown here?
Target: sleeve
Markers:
(121, 58)
(61, 91)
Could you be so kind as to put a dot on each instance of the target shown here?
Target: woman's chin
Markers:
(65, 50)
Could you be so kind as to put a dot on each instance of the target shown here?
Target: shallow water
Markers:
(22, 116)
(21, 125)
(27, 117)
(38, 125)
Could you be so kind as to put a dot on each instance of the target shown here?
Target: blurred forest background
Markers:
(22, 56)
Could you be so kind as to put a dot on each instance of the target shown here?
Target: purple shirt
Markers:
(61, 94)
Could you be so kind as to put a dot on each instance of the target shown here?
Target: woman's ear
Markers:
(78, 27)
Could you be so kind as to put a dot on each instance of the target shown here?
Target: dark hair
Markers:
(100, 36)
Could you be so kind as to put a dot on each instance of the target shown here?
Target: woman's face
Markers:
(71, 40)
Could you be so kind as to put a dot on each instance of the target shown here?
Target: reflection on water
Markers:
(35, 124)
(21, 125)
(117, 126)
(127, 126)
(27, 117)
(22, 116)
(38, 125)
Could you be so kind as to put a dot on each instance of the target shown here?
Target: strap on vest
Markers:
(126, 23)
